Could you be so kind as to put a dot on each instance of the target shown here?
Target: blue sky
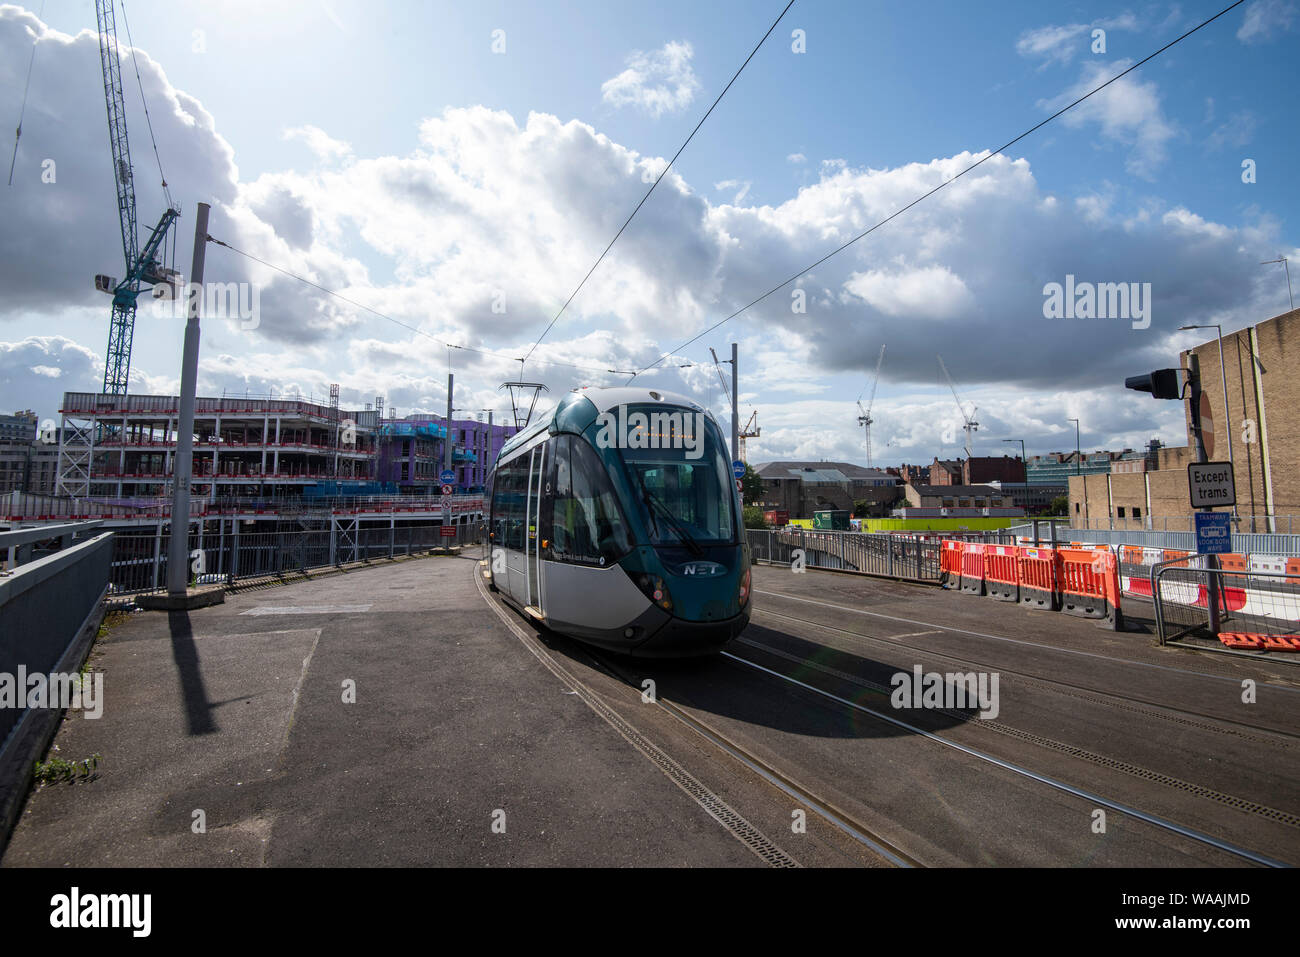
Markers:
(805, 149)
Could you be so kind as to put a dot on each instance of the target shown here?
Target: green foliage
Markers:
(57, 770)
(754, 517)
(752, 487)
(861, 508)
(1060, 505)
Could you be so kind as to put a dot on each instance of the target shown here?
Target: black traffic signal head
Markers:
(1163, 384)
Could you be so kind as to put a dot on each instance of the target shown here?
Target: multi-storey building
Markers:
(123, 446)
(412, 452)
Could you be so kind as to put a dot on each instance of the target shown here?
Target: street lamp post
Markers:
(1287, 267)
(1227, 416)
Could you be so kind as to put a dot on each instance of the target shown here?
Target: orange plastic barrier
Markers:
(1256, 642)
(972, 568)
(1040, 583)
(1172, 553)
(1130, 554)
(1240, 639)
(1090, 584)
(950, 564)
(1234, 563)
(1001, 572)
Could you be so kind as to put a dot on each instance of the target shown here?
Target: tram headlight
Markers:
(656, 589)
(742, 593)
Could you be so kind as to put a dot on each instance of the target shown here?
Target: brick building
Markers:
(1263, 378)
(945, 472)
(977, 470)
(801, 488)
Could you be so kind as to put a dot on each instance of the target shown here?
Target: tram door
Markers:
(533, 550)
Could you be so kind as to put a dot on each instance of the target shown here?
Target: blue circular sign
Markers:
(738, 468)
(447, 476)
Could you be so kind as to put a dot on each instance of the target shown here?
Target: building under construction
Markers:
(275, 449)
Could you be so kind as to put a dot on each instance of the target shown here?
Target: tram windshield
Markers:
(684, 486)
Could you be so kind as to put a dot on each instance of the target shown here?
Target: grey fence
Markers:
(44, 606)
(140, 557)
(1257, 611)
(895, 556)
(1243, 543)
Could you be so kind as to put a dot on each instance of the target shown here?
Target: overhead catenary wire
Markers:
(135, 62)
(404, 325)
(947, 182)
(22, 110)
(662, 174)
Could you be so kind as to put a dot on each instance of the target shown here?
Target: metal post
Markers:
(735, 404)
(1227, 418)
(446, 445)
(177, 566)
(1211, 563)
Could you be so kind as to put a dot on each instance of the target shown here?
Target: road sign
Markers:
(445, 502)
(738, 469)
(447, 490)
(448, 531)
(1213, 533)
(740, 485)
(1211, 484)
(447, 476)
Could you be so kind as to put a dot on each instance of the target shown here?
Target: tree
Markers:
(1060, 505)
(754, 517)
(861, 508)
(751, 487)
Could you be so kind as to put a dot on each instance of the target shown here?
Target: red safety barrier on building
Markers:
(972, 568)
(1002, 572)
(1040, 584)
(950, 564)
(1090, 584)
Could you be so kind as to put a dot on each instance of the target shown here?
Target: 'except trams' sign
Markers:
(1211, 484)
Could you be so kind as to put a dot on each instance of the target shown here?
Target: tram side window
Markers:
(588, 527)
(509, 502)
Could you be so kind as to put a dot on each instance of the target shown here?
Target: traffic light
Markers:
(1163, 384)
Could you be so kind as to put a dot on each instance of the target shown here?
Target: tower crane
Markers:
(969, 425)
(750, 431)
(864, 414)
(142, 262)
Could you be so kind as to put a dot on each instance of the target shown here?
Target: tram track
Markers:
(1154, 820)
(810, 796)
(1154, 709)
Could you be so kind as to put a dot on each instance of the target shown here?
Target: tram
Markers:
(615, 520)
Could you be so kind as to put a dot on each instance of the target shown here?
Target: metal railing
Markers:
(896, 556)
(1249, 602)
(1243, 543)
(140, 559)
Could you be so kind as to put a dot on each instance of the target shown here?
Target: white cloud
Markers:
(1052, 43)
(796, 158)
(1127, 112)
(489, 206)
(932, 292)
(743, 188)
(658, 82)
(1265, 19)
(322, 145)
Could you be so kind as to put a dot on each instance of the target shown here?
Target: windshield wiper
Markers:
(654, 501)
